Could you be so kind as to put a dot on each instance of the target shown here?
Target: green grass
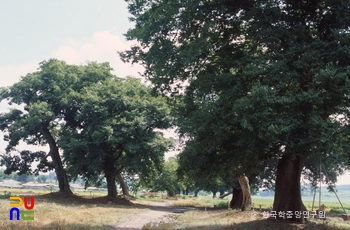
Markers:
(6, 195)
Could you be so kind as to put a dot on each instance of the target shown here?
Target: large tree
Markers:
(167, 180)
(264, 80)
(116, 130)
(45, 95)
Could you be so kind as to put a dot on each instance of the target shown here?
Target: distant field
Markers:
(87, 194)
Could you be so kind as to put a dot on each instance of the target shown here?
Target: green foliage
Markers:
(222, 204)
(48, 97)
(3, 175)
(167, 180)
(24, 178)
(22, 162)
(115, 129)
(42, 178)
(6, 195)
(253, 80)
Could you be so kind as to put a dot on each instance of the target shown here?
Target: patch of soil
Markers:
(156, 216)
(75, 199)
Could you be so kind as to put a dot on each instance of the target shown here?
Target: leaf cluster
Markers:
(253, 80)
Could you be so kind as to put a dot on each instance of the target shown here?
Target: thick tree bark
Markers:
(170, 192)
(287, 190)
(61, 175)
(237, 198)
(123, 185)
(111, 187)
(247, 197)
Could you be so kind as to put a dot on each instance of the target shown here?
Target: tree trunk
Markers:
(196, 193)
(287, 190)
(111, 187)
(61, 175)
(247, 197)
(237, 198)
(171, 193)
(123, 185)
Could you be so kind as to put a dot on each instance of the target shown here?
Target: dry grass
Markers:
(232, 219)
(56, 211)
(72, 213)
(200, 202)
(210, 218)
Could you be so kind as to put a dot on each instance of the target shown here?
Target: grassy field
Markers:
(233, 219)
(208, 217)
(91, 210)
(220, 217)
(67, 215)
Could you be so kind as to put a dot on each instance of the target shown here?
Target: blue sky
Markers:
(31, 30)
(72, 30)
(75, 31)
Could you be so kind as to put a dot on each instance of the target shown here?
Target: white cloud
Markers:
(344, 179)
(11, 74)
(101, 47)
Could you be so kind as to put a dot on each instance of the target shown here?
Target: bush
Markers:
(222, 204)
(6, 195)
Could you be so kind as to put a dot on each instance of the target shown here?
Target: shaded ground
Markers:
(154, 215)
(75, 199)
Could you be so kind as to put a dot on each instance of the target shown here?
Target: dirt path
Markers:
(157, 215)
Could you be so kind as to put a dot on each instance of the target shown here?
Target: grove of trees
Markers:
(259, 91)
(261, 88)
(104, 125)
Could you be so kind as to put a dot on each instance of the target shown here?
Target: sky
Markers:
(75, 31)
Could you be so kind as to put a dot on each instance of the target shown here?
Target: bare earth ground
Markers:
(159, 216)
(151, 215)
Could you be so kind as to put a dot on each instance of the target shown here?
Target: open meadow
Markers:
(91, 210)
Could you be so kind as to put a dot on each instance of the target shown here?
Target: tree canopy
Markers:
(116, 130)
(46, 97)
(259, 83)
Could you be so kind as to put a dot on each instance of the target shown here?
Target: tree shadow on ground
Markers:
(268, 224)
(15, 225)
(72, 199)
(103, 201)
